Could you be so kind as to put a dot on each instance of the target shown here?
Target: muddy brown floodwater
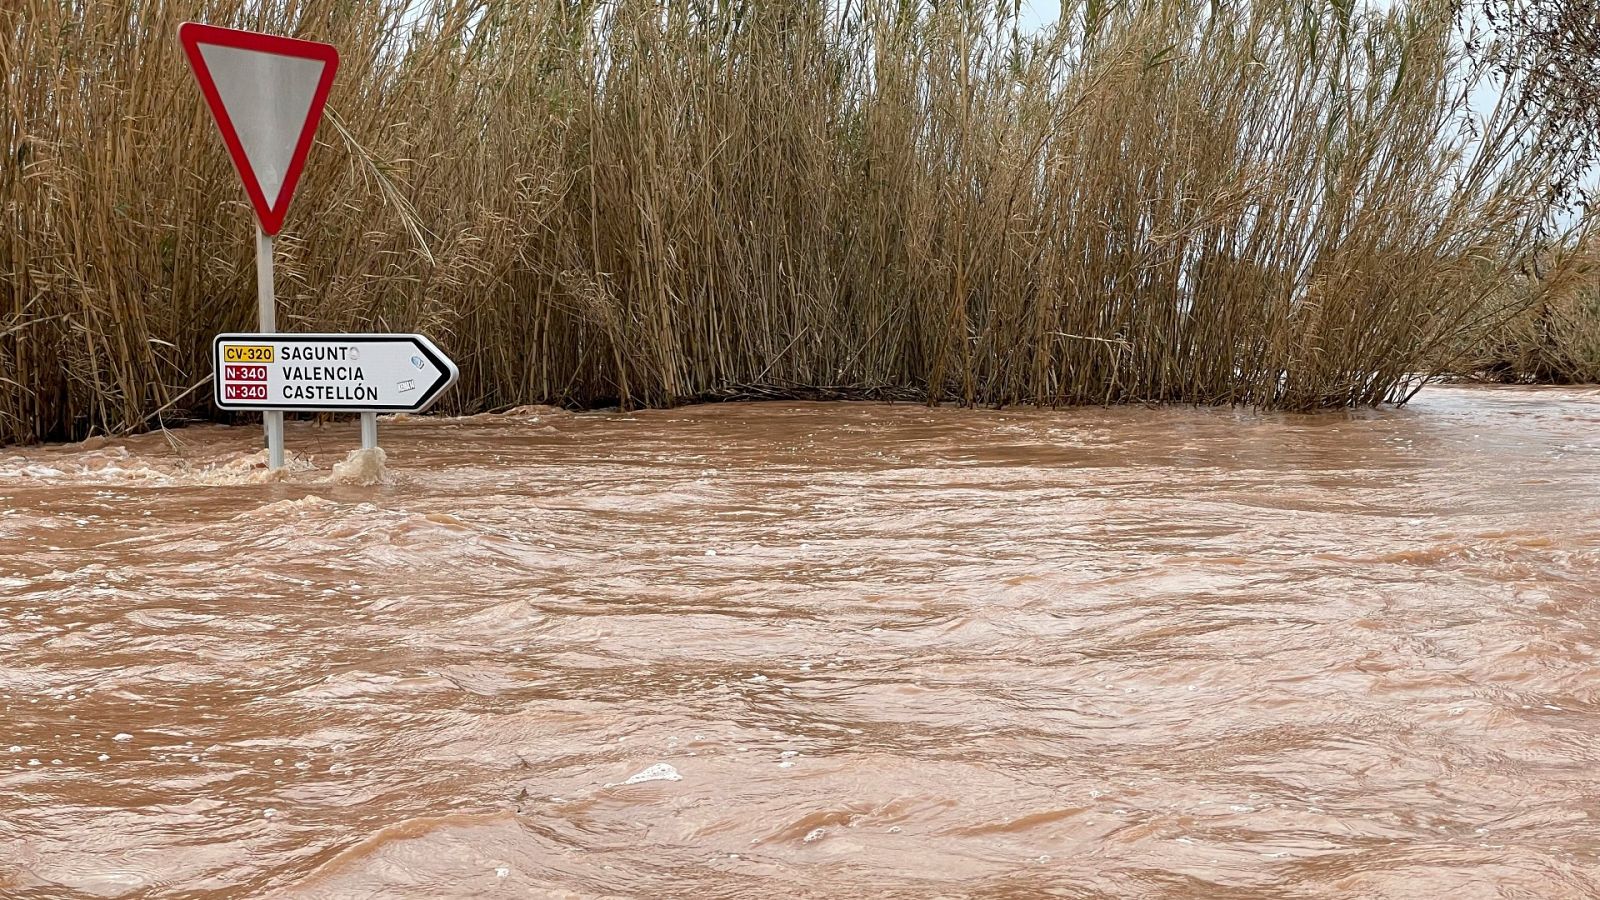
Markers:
(830, 650)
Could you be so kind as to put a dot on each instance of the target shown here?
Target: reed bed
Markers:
(1281, 204)
(1554, 335)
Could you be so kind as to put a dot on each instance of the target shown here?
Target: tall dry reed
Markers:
(650, 202)
(1554, 335)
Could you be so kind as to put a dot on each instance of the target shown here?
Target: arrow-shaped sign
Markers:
(330, 372)
(266, 93)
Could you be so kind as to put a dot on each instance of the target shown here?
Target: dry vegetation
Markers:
(1554, 335)
(648, 202)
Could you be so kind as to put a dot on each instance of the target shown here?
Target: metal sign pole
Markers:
(272, 418)
(369, 431)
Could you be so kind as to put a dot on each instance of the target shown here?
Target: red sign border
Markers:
(192, 35)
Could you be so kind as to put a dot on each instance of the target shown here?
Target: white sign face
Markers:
(268, 99)
(329, 372)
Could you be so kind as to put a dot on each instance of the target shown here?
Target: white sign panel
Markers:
(329, 372)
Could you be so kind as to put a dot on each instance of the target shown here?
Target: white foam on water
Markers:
(118, 465)
(657, 772)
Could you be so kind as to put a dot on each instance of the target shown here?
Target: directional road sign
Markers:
(266, 93)
(330, 372)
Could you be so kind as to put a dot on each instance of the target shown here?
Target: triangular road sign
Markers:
(266, 93)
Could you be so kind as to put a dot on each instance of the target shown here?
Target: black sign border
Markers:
(448, 370)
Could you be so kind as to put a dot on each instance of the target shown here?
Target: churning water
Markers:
(827, 650)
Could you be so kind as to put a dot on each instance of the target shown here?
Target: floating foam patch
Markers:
(657, 772)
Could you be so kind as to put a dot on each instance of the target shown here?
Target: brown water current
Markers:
(813, 650)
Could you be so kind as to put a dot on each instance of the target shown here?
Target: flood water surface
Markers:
(820, 650)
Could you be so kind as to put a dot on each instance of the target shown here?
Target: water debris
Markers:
(122, 736)
(254, 469)
(814, 835)
(657, 772)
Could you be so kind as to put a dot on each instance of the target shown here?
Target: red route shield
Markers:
(270, 210)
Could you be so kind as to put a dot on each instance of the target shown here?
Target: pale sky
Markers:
(1036, 13)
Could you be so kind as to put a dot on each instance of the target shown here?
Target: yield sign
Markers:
(266, 93)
